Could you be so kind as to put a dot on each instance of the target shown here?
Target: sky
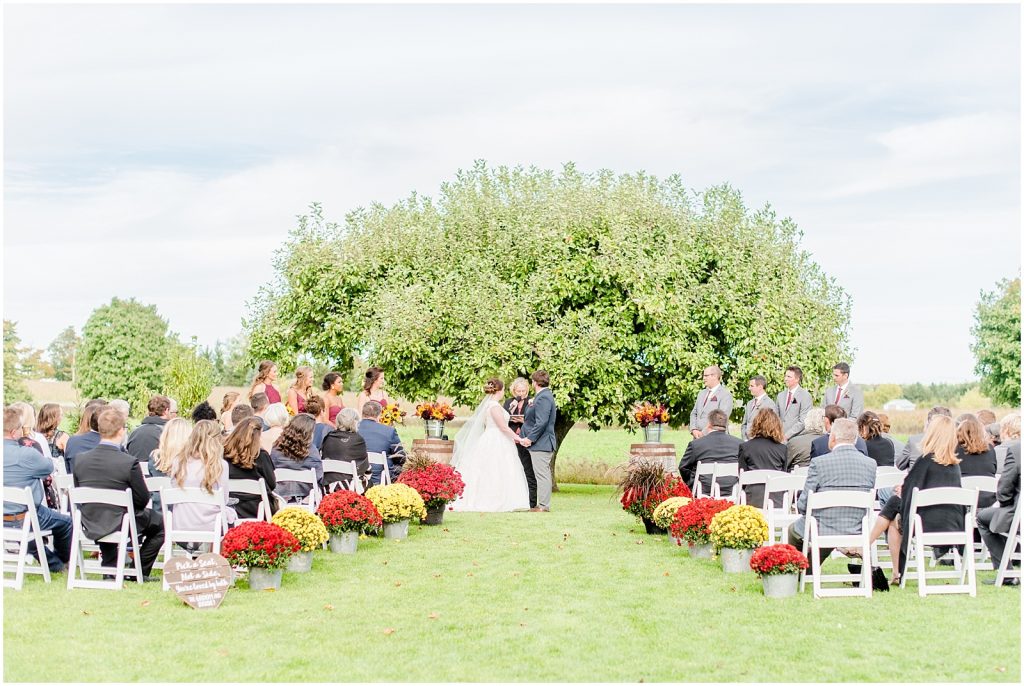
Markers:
(162, 152)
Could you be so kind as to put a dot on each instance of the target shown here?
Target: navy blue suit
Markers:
(381, 438)
(819, 446)
(77, 444)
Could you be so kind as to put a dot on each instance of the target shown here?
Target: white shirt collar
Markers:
(712, 391)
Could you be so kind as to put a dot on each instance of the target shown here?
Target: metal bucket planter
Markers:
(263, 579)
(701, 551)
(346, 542)
(651, 527)
(735, 560)
(435, 428)
(780, 585)
(300, 562)
(397, 530)
(435, 515)
(652, 433)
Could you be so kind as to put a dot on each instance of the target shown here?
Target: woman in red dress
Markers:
(266, 375)
(373, 389)
(334, 384)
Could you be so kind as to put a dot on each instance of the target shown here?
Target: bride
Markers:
(486, 457)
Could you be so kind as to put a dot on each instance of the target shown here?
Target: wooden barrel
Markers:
(655, 452)
(436, 449)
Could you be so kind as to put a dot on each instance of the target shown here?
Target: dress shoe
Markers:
(1006, 582)
(539, 509)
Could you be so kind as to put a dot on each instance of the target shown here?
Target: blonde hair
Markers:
(303, 378)
(1009, 426)
(28, 417)
(520, 382)
(940, 441)
(173, 441)
(229, 401)
(262, 372)
(276, 415)
(206, 444)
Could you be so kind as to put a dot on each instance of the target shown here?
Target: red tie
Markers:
(706, 400)
(839, 391)
(789, 398)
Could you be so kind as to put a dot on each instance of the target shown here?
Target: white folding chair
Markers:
(349, 470)
(173, 496)
(801, 471)
(917, 539)
(303, 476)
(250, 487)
(716, 470)
(887, 469)
(779, 518)
(17, 558)
(982, 484)
(125, 537)
(754, 477)
(1010, 552)
(888, 479)
(814, 542)
(144, 466)
(382, 460)
(58, 465)
(63, 483)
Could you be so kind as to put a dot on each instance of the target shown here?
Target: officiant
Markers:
(516, 407)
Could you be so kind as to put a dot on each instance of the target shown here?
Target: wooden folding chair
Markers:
(1010, 552)
(716, 470)
(754, 477)
(382, 460)
(779, 518)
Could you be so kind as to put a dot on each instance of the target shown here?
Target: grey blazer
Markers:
(793, 415)
(852, 401)
(911, 451)
(843, 469)
(1008, 493)
(539, 422)
(750, 411)
(699, 415)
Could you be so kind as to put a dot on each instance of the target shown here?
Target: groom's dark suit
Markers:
(518, 407)
(539, 427)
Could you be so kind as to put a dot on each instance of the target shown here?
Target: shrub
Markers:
(259, 544)
(396, 502)
(692, 521)
(303, 525)
(743, 526)
(343, 511)
(781, 558)
(666, 512)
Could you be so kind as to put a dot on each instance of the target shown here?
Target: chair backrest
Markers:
(928, 497)
(382, 460)
(887, 469)
(800, 471)
(18, 496)
(340, 467)
(253, 487)
(988, 484)
(157, 483)
(888, 479)
(787, 484)
(752, 477)
(84, 495)
(144, 466)
(192, 494)
(820, 500)
(305, 476)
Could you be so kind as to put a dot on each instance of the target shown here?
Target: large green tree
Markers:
(63, 351)
(622, 286)
(14, 375)
(996, 344)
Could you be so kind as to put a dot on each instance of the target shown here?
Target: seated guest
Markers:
(798, 448)
(716, 444)
(204, 411)
(764, 450)
(201, 465)
(294, 450)
(48, 424)
(275, 418)
(242, 411)
(977, 456)
(107, 466)
(819, 446)
(226, 405)
(29, 436)
(912, 450)
(381, 439)
(897, 445)
(144, 440)
(880, 448)
(994, 522)
(988, 419)
(87, 437)
(842, 468)
(247, 460)
(317, 408)
(259, 404)
(347, 445)
(173, 442)
(24, 466)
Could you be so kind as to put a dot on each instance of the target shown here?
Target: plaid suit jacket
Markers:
(843, 469)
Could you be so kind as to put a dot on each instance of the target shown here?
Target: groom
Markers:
(538, 435)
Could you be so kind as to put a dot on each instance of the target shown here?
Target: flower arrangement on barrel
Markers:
(644, 486)
(261, 547)
(692, 523)
(346, 515)
(434, 415)
(391, 415)
(779, 567)
(397, 504)
(438, 484)
(651, 417)
(664, 514)
(308, 529)
(735, 532)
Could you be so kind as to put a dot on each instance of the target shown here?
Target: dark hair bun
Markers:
(493, 386)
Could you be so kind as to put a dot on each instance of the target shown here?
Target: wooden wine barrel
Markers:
(655, 452)
(436, 449)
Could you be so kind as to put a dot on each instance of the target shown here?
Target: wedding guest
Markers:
(759, 400)
(880, 448)
(516, 408)
(201, 465)
(172, 442)
(242, 411)
(334, 387)
(294, 450)
(317, 408)
(843, 393)
(794, 403)
(204, 412)
(897, 445)
(977, 456)
(991, 424)
(798, 448)
(226, 405)
(107, 466)
(765, 449)
(266, 375)
(381, 439)
(30, 437)
(23, 467)
(144, 440)
(260, 404)
(373, 389)
(275, 417)
(87, 437)
(715, 396)
(912, 450)
(299, 391)
(247, 460)
(994, 522)
(345, 444)
(820, 445)
(715, 444)
(1009, 436)
(48, 424)
(121, 406)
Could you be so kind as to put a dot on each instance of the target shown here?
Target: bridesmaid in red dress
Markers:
(300, 390)
(334, 384)
(373, 389)
(266, 375)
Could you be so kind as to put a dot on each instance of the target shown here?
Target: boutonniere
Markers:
(530, 401)
(712, 399)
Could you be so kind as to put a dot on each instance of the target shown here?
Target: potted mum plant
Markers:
(692, 522)
(263, 548)
(651, 417)
(308, 529)
(666, 512)
(434, 415)
(735, 533)
(644, 486)
(346, 515)
(779, 567)
(397, 504)
(438, 484)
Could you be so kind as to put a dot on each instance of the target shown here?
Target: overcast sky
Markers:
(162, 152)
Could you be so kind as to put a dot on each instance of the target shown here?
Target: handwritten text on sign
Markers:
(202, 582)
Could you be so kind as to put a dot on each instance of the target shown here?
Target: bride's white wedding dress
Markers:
(489, 465)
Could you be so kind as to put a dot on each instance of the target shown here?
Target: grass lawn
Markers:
(580, 594)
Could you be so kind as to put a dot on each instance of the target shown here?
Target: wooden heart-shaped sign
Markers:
(202, 582)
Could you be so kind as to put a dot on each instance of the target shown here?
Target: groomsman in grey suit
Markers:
(759, 402)
(715, 396)
(843, 393)
(794, 403)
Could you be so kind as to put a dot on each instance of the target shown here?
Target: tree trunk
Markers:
(562, 426)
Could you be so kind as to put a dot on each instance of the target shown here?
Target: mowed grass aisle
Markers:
(580, 594)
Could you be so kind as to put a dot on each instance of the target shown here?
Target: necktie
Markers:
(789, 399)
(839, 392)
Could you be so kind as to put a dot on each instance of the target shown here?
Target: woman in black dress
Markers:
(977, 456)
(880, 448)
(764, 450)
(246, 460)
(345, 444)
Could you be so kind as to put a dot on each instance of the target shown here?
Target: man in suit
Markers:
(994, 522)
(794, 403)
(912, 450)
(843, 393)
(107, 466)
(820, 445)
(842, 469)
(538, 434)
(715, 396)
(516, 408)
(381, 438)
(146, 437)
(759, 401)
(715, 444)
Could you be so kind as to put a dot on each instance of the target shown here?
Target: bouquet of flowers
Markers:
(646, 413)
(343, 511)
(666, 512)
(391, 415)
(692, 521)
(259, 544)
(742, 526)
(438, 484)
(303, 525)
(436, 410)
(396, 502)
(781, 558)
(646, 485)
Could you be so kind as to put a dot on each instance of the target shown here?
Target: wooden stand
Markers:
(665, 453)
(437, 449)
